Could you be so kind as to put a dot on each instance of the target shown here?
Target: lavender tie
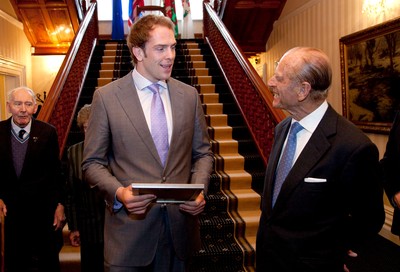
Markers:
(159, 129)
(285, 164)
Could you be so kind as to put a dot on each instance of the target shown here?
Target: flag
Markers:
(186, 7)
(117, 22)
(133, 4)
(187, 22)
(170, 10)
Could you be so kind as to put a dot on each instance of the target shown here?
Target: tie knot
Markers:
(21, 134)
(296, 127)
(153, 88)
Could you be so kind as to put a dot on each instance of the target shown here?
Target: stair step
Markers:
(249, 200)
(221, 133)
(209, 98)
(213, 108)
(239, 179)
(233, 161)
(218, 120)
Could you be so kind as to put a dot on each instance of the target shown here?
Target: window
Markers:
(104, 8)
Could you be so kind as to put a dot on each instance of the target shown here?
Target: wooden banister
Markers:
(61, 102)
(139, 9)
(251, 94)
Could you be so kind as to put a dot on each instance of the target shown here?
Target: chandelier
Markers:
(375, 8)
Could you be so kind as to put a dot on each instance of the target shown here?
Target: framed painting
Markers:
(370, 74)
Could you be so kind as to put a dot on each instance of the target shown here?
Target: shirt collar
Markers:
(16, 128)
(141, 82)
(311, 121)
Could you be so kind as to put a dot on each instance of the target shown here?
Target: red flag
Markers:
(170, 10)
(133, 4)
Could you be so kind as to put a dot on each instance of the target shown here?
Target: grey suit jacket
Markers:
(313, 224)
(119, 150)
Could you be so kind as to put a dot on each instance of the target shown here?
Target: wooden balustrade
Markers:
(61, 102)
(251, 94)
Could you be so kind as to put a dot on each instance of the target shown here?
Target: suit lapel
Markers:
(280, 136)
(130, 103)
(176, 97)
(5, 140)
(312, 153)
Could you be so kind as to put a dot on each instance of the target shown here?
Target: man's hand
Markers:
(59, 217)
(194, 207)
(396, 200)
(352, 254)
(135, 204)
(3, 208)
(75, 238)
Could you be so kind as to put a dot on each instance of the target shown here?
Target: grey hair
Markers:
(10, 95)
(314, 67)
(83, 115)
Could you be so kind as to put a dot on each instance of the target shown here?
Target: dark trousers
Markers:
(92, 257)
(165, 259)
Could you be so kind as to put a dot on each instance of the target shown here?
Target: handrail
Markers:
(251, 94)
(139, 9)
(61, 102)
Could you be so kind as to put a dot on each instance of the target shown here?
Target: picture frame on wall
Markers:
(370, 76)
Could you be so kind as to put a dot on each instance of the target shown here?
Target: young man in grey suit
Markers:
(141, 235)
(331, 199)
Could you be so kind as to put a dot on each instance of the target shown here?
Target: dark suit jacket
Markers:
(84, 206)
(119, 150)
(313, 224)
(391, 164)
(32, 198)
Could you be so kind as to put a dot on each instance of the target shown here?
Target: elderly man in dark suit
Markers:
(323, 193)
(31, 187)
(125, 143)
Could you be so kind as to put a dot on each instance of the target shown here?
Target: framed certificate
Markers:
(169, 192)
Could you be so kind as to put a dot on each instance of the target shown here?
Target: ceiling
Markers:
(250, 22)
(50, 25)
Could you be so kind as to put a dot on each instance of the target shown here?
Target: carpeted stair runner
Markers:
(230, 220)
(196, 66)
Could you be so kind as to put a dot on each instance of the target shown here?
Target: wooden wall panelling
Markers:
(50, 25)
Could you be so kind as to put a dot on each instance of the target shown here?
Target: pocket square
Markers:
(314, 180)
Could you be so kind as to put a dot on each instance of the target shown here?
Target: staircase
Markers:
(230, 220)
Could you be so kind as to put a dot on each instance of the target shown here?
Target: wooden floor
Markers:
(69, 255)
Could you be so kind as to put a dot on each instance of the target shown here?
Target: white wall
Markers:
(15, 60)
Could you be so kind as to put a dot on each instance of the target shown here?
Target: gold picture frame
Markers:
(370, 75)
